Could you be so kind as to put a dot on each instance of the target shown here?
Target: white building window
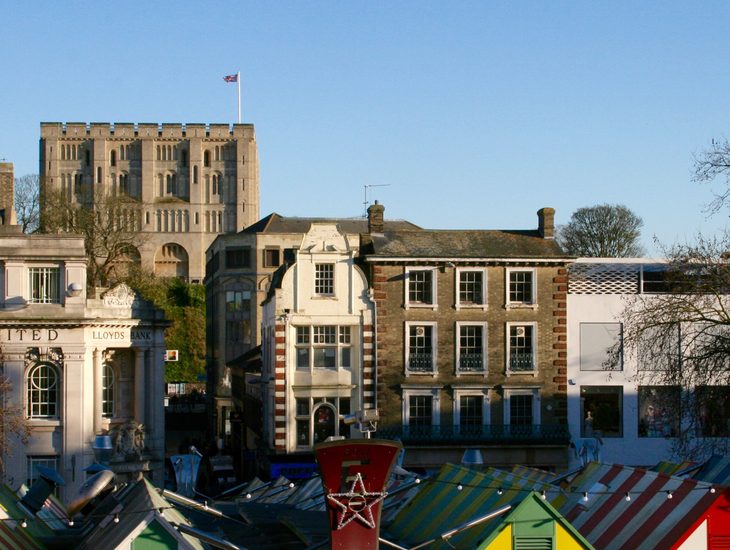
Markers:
(325, 346)
(601, 409)
(318, 418)
(471, 348)
(107, 391)
(420, 287)
(44, 285)
(421, 408)
(471, 410)
(471, 291)
(43, 385)
(521, 287)
(522, 408)
(521, 348)
(421, 348)
(600, 346)
(324, 279)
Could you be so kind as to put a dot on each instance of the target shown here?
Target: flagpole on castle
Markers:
(238, 82)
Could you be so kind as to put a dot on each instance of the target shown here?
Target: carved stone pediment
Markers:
(119, 296)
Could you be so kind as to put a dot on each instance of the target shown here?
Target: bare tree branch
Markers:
(110, 225)
(710, 165)
(27, 203)
(14, 426)
(681, 339)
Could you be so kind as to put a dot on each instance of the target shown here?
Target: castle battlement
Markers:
(127, 130)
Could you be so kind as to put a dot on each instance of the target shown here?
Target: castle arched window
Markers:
(107, 391)
(98, 174)
(195, 174)
(206, 158)
(168, 188)
(113, 158)
(121, 152)
(160, 185)
(159, 153)
(43, 386)
(87, 155)
(124, 183)
(217, 153)
(215, 189)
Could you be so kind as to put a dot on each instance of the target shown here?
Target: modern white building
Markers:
(317, 342)
(79, 366)
(607, 398)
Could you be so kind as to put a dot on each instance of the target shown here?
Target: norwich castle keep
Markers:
(192, 182)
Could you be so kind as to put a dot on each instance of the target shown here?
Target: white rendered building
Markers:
(78, 366)
(317, 335)
(606, 397)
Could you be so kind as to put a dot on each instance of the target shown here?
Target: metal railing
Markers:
(420, 362)
(489, 433)
(524, 362)
(471, 362)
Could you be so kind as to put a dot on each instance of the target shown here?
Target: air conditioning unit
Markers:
(420, 331)
(519, 332)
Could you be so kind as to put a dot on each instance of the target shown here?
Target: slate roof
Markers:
(276, 223)
(464, 244)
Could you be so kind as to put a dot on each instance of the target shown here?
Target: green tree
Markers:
(602, 231)
(184, 305)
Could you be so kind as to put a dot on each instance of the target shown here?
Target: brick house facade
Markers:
(471, 342)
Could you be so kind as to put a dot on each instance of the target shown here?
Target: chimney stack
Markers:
(375, 218)
(7, 199)
(546, 222)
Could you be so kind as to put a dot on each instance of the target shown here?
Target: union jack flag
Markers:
(231, 78)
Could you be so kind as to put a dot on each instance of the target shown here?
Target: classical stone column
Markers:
(139, 385)
(98, 391)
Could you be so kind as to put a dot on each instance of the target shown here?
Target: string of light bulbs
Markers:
(460, 486)
(500, 489)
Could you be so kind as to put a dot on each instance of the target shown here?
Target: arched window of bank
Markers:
(43, 388)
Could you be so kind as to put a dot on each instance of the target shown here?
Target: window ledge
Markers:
(40, 423)
(420, 373)
(520, 306)
(421, 306)
(518, 372)
(482, 307)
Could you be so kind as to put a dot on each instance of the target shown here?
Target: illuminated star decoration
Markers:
(357, 503)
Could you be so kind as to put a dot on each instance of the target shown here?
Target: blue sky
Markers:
(471, 114)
